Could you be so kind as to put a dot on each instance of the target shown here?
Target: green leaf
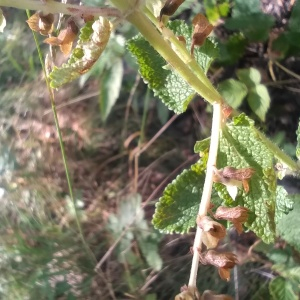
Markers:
(149, 247)
(166, 84)
(233, 49)
(281, 289)
(202, 146)
(92, 41)
(259, 101)
(255, 27)
(298, 141)
(110, 87)
(233, 92)
(215, 9)
(294, 21)
(177, 209)
(287, 226)
(241, 147)
(292, 274)
(250, 76)
(2, 21)
(242, 7)
(284, 203)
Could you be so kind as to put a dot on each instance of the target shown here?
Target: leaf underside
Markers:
(92, 41)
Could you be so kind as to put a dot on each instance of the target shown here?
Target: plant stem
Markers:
(62, 149)
(279, 154)
(157, 41)
(181, 48)
(50, 6)
(207, 189)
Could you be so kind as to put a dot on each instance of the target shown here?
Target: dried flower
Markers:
(223, 261)
(233, 178)
(237, 215)
(213, 231)
(169, 8)
(202, 29)
(188, 293)
(209, 295)
(41, 23)
(65, 38)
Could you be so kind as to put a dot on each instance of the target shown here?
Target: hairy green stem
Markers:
(207, 189)
(62, 149)
(279, 154)
(50, 6)
(157, 41)
(181, 49)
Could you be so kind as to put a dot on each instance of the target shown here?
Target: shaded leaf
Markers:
(110, 87)
(166, 84)
(281, 289)
(241, 147)
(255, 27)
(259, 100)
(233, 92)
(286, 225)
(92, 41)
(232, 49)
(294, 21)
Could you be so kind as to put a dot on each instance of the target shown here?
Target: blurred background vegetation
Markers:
(123, 147)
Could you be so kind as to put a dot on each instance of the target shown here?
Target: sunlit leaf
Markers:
(259, 100)
(177, 209)
(240, 147)
(233, 92)
(250, 76)
(165, 82)
(281, 289)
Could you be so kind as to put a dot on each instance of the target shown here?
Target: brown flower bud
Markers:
(223, 261)
(65, 38)
(212, 231)
(41, 23)
(170, 7)
(237, 215)
(202, 29)
(209, 295)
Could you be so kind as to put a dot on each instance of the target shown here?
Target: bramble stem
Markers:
(207, 189)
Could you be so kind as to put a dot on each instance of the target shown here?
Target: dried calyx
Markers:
(213, 231)
(191, 293)
(170, 8)
(237, 215)
(41, 23)
(202, 29)
(223, 261)
(65, 38)
(233, 179)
